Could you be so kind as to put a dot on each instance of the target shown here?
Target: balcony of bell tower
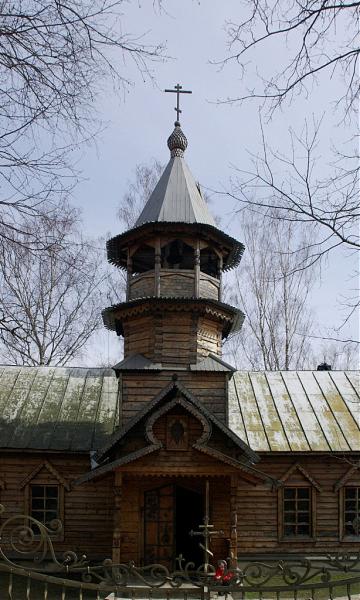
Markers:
(174, 266)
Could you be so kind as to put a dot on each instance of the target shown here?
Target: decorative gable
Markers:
(180, 412)
(176, 421)
(49, 468)
(353, 471)
(297, 467)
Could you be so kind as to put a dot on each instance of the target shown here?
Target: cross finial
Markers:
(178, 90)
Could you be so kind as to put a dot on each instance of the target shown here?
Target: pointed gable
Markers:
(176, 421)
(164, 397)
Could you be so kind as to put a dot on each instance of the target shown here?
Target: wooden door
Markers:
(159, 546)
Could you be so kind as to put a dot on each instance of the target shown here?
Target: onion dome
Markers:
(177, 142)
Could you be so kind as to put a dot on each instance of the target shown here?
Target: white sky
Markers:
(138, 124)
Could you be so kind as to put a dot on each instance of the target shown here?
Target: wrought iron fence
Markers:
(70, 577)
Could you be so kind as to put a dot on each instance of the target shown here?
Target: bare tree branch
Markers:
(273, 294)
(50, 303)
(309, 31)
(139, 190)
(313, 41)
(290, 189)
(55, 57)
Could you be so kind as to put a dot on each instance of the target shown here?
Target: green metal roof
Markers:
(57, 408)
(75, 409)
(296, 411)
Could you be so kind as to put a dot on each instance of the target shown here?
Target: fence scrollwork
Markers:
(22, 538)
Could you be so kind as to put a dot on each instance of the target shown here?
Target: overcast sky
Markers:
(220, 136)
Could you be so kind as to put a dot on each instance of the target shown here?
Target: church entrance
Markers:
(170, 513)
(189, 515)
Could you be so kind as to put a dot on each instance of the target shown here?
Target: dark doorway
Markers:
(170, 513)
(189, 515)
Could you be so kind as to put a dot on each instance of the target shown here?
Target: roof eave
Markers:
(121, 241)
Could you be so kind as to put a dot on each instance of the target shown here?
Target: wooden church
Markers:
(132, 459)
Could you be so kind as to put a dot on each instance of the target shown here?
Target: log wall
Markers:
(88, 509)
(249, 514)
(259, 508)
(209, 337)
(208, 387)
(172, 338)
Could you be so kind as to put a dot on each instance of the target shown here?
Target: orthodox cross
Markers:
(206, 531)
(178, 90)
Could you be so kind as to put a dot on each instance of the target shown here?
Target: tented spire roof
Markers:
(175, 205)
(177, 197)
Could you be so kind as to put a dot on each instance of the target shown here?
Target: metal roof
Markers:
(138, 362)
(56, 408)
(176, 197)
(75, 409)
(296, 411)
(212, 363)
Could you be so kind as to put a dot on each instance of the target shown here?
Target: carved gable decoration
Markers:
(353, 471)
(297, 467)
(177, 425)
(48, 467)
(176, 420)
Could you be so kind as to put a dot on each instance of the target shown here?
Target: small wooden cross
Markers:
(178, 90)
(206, 531)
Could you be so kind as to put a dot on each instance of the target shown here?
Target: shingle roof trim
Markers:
(115, 244)
(237, 316)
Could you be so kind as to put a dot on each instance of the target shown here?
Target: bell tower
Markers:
(174, 257)
(173, 317)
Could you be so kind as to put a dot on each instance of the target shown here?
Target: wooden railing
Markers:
(173, 283)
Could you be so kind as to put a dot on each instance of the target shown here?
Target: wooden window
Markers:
(351, 508)
(44, 503)
(297, 512)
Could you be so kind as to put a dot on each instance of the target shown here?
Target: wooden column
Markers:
(129, 275)
(233, 516)
(220, 277)
(157, 267)
(197, 269)
(116, 544)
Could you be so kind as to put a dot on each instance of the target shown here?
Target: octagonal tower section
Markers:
(174, 257)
